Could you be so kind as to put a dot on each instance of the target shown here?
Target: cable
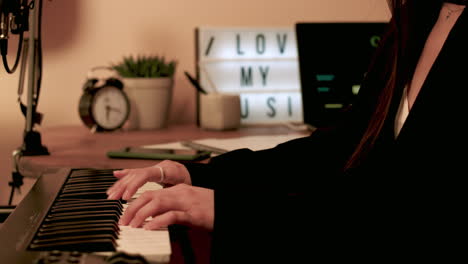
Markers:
(1, 5)
(17, 177)
(4, 50)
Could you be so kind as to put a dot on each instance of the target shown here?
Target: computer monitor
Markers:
(333, 59)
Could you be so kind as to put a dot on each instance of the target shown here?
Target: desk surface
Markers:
(76, 146)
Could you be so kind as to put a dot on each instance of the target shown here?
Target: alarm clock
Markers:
(104, 105)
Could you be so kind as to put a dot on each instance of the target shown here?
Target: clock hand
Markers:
(115, 109)
(108, 109)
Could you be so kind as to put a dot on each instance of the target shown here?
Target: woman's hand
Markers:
(132, 179)
(180, 204)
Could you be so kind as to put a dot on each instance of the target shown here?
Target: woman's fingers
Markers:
(174, 172)
(168, 218)
(180, 204)
(121, 173)
(117, 188)
(134, 207)
(152, 203)
(129, 182)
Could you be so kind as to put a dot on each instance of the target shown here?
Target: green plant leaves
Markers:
(152, 66)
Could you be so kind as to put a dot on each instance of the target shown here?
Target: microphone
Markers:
(4, 14)
(13, 16)
(13, 19)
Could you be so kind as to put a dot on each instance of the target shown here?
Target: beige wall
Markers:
(80, 34)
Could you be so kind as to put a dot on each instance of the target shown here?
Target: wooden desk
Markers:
(77, 147)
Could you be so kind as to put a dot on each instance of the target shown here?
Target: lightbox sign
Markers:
(260, 64)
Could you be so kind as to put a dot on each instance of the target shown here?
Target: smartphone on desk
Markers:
(159, 153)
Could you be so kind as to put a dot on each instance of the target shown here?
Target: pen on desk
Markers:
(199, 146)
(195, 83)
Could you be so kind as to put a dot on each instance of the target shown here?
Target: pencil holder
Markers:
(220, 111)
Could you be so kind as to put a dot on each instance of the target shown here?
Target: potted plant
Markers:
(148, 82)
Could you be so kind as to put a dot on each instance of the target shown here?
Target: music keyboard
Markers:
(68, 211)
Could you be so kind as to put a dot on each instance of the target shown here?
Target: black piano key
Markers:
(81, 244)
(88, 185)
(113, 216)
(77, 184)
(71, 201)
(90, 171)
(88, 208)
(67, 232)
(92, 179)
(99, 175)
(82, 190)
(91, 194)
(77, 173)
(88, 222)
(81, 217)
(53, 227)
(63, 203)
(81, 214)
(81, 225)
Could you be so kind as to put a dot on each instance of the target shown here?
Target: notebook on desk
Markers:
(222, 145)
(333, 59)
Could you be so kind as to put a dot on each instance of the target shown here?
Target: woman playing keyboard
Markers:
(385, 183)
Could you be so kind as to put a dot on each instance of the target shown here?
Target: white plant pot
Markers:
(150, 101)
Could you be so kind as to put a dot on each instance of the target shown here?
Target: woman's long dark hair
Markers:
(400, 48)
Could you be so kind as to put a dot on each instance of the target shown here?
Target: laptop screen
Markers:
(333, 59)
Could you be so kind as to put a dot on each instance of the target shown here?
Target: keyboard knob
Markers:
(124, 258)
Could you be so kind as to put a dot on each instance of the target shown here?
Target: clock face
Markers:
(110, 107)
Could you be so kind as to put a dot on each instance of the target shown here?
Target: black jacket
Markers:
(292, 202)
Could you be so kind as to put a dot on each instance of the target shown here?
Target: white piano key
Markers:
(153, 245)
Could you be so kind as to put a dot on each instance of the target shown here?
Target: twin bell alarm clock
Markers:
(104, 105)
